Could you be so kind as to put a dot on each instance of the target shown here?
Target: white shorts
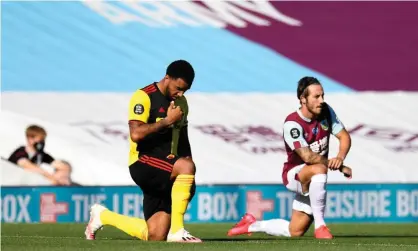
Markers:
(301, 202)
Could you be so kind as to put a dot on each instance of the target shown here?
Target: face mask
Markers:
(39, 146)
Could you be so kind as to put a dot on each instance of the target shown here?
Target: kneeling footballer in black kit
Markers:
(160, 161)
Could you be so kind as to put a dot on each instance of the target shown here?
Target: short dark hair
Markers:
(303, 85)
(181, 69)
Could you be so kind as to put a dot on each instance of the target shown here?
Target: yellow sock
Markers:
(180, 195)
(135, 227)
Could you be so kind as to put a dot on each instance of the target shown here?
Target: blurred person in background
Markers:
(32, 157)
(306, 134)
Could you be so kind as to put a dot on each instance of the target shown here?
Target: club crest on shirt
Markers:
(324, 125)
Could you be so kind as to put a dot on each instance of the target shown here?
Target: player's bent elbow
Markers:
(135, 137)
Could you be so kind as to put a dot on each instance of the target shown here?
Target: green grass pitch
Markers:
(40, 237)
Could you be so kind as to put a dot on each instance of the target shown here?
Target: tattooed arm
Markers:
(139, 130)
(139, 112)
(311, 158)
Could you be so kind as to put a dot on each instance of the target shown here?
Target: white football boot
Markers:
(182, 236)
(95, 223)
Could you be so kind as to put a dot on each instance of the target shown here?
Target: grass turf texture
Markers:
(36, 237)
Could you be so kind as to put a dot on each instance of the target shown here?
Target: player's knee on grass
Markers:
(158, 226)
(184, 166)
(156, 235)
(299, 223)
(296, 233)
(300, 228)
(157, 232)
